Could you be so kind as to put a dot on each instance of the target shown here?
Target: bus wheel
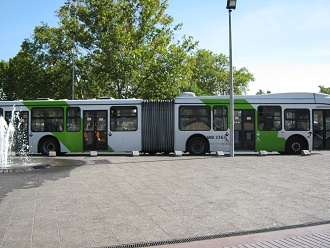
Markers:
(197, 146)
(295, 145)
(48, 144)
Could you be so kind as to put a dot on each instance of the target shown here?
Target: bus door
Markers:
(321, 129)
(244, 138)
(95, 130)
(21, 123)
(124, 133)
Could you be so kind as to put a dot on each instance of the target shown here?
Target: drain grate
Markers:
(217, 236)
(101, 161)
(40, 167)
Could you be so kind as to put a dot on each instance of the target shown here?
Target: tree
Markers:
(56, 51)
(261, 92)
(325, 90)
(3, 78)
(120, 48)
(130, 46)
(211, 75)
(40, 68)
(242, 78)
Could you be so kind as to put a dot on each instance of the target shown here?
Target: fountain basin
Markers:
(38, 163)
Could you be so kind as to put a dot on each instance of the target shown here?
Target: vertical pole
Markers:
(73, 52)
(73, 15)
(231, 90)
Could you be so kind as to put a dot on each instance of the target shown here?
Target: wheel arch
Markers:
(51, 137)
(297, 136)
(198, 135)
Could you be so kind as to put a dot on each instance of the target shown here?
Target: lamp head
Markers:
(231, 4)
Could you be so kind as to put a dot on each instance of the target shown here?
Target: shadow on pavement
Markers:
(36, 174)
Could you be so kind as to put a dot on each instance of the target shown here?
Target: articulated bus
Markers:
(285, 122)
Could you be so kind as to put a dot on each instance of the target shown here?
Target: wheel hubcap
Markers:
(198, 147)
(49, 147)
(296, 146)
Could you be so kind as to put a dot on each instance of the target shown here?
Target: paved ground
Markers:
(113, 201)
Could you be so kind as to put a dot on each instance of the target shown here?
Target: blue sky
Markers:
(285, 44)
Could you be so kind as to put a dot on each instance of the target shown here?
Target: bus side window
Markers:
(123, 118)
(73, 119)
(220, 118)
(7, 116)
(47, 119)
(1, 112)
(297, 119)
(269, 118)
(194, 118)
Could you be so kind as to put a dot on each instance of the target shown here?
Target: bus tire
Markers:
(197, 146)
(49, 144)
(295, 145)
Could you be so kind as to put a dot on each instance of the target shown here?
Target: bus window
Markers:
(123, 118)
(47, 120)
(8, 116)
(269, 118)
(296, 119)
(220, 118)
(1, 112)
(194, 118)
(73, 119)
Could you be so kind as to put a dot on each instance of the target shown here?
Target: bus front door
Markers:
(321, 129)
(244, 130)
(95, 130)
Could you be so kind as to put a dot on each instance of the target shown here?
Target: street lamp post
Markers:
(73, 14)
(231, 4)
(73, 52)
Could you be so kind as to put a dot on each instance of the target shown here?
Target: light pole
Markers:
(73, 52)
(73, 47)
(231, 4)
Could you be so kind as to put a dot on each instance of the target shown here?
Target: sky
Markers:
(284, 44)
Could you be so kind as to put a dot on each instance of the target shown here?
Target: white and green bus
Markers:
(286, 123)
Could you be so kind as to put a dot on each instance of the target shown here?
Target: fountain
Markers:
(11, 143)
(14, 147)
(6, 140)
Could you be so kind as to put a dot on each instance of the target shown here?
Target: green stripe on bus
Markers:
(71, 140)
(32, 104)
(269, 141)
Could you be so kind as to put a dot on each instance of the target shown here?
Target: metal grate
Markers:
(40, 167)
(217, 236)
(101, 161)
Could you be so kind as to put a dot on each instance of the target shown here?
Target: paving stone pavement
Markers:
(118, 200)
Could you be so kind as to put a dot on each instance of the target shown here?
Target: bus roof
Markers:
(275, 98)
(188, 97)
(50, 102)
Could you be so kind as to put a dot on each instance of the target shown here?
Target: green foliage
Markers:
(4, 81)
(242, 78)
(211, 75)
(130, 47)
(260, 92)
(119, 48)
(40, 68)
(325, 90)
